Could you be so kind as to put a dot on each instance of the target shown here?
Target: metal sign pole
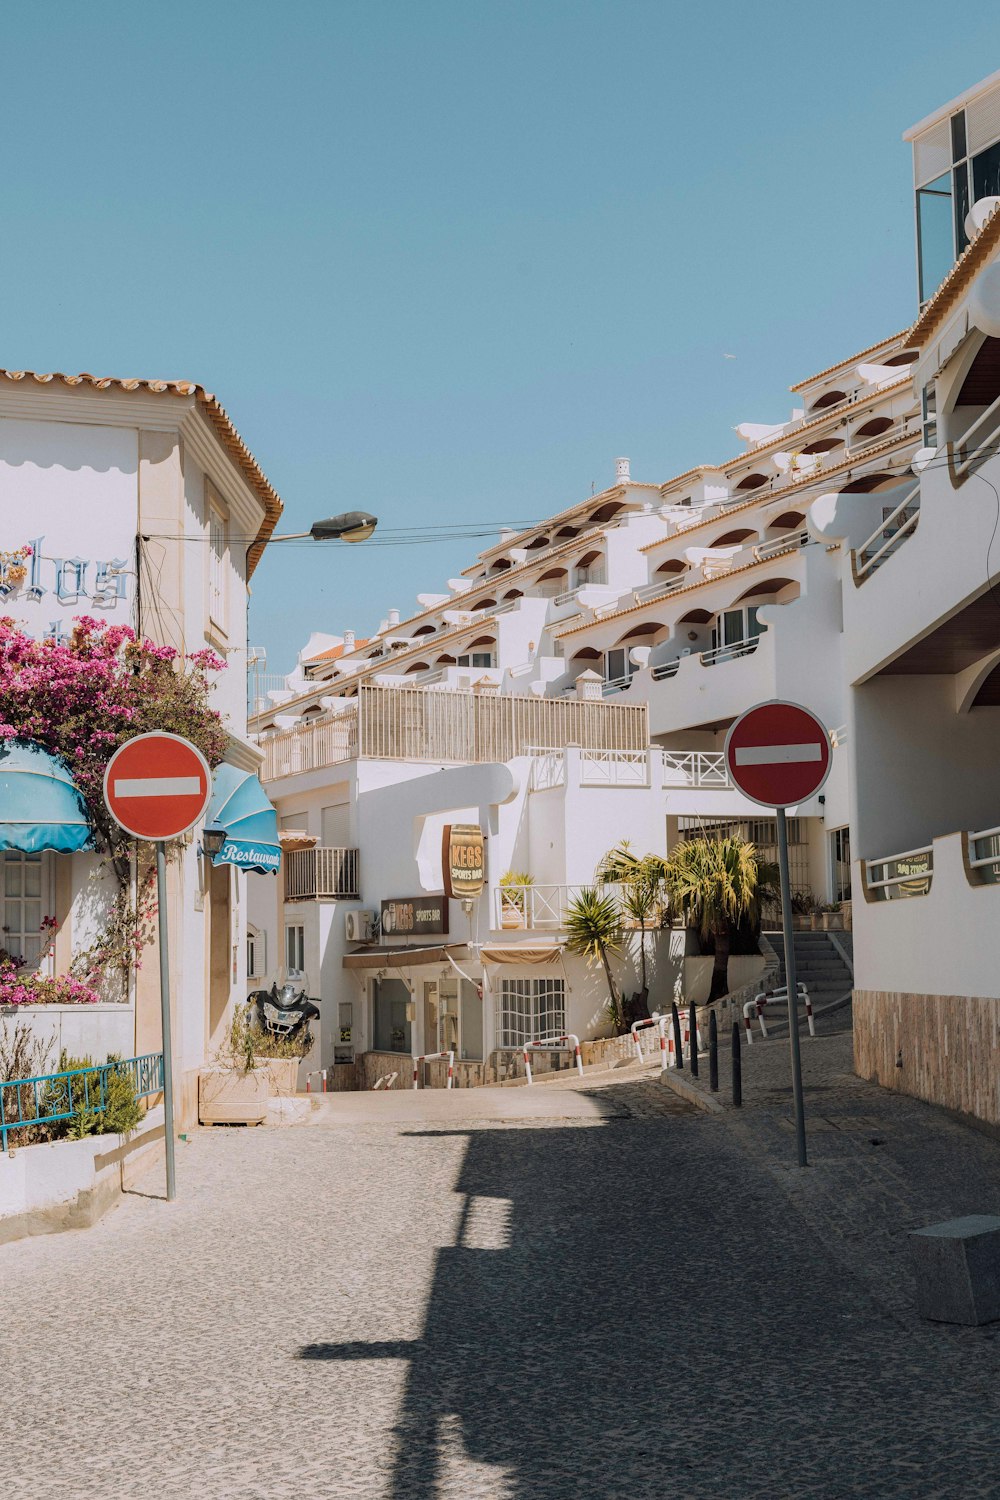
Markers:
(168, 1069)
(791, 979)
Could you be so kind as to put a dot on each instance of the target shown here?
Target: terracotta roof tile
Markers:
(842, 364)
(217, 417)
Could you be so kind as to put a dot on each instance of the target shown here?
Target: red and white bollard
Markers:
(654, 1020)
(316, 1073)
(765, 998)
(552, 1042)
(385, 1082)
(430, 1057)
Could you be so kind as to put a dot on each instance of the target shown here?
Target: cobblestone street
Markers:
(577, 1290)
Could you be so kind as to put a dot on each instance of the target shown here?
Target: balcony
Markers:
(322, 874)
(446, 726)
(886, 538)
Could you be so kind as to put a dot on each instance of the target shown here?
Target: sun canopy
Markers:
(241, 806)
(40, 805)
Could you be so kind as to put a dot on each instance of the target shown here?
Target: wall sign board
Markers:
(463, 859)
(414, 916)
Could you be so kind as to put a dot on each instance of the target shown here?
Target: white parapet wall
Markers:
(93, 1031)
(69, 1184)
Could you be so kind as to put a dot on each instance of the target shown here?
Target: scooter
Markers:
(285, 1010)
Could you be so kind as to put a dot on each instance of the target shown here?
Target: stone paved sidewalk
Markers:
(880, 1164)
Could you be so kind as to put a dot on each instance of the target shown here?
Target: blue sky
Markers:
(444, 261)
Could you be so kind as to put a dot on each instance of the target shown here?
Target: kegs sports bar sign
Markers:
(463, 859)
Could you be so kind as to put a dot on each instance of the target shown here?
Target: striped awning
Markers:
(41, 807)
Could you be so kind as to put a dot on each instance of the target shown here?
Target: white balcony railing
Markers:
(533, 907)
(665, 669)
(780, 544)
(614, 768)
(613, 685)
(695, 768)
(321, 873)
(984, 856)
(979, 442)
(548, 770)
(729, 652)
(900, 875)
(861, 394)
(443, 725)
(885, 539)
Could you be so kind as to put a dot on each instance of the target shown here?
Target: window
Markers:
(935, 235)
(840, 849)
(942, 205)
(928, 411)
(453, 1018)
(295, 948)
(477, 659)
(217, 550)
(257, 953)
(529, 1009)
(736, 627)
(23, 885)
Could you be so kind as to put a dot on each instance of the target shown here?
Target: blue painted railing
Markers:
(62, 1096)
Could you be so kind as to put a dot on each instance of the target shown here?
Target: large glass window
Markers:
(528, 1009)
(295, 948)
(935, 234)
(618, 664)
(986, 173)
(390, 1003)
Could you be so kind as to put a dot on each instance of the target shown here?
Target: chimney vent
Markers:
(622, 474)
(393, 618)
(348, 642)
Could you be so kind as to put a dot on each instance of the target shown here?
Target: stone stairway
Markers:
(818, 965)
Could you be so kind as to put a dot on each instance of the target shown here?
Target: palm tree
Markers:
(593, 930)
(718, 884)
(643, 893)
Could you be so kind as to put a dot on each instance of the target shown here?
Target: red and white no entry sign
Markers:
(778, 754)
(157, 785)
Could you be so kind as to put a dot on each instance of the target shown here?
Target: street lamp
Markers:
(352, 526)
(212, 839)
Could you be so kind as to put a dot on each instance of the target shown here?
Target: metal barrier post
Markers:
(168, 1061)
(693, 1023)
(737, 1067)
(678, 1040)
(713, 1053)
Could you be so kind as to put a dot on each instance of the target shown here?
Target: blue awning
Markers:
(240, 804)
(40, 805)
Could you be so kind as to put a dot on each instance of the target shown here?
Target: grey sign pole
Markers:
(791, 979)
(168, 1066)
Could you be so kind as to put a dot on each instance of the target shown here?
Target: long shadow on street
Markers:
(633, 1309)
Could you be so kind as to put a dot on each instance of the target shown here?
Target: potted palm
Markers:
(643, 901)
(513, 898)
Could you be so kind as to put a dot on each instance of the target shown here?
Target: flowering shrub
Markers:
(82, 699)
(35, 989)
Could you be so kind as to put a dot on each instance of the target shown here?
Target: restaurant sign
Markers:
(414, 916)
(463, 859)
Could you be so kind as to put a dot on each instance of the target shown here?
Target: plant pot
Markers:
(832, 921)
(282, 1074)
(228, 1098)
(816, 921)
(800, 921)
(846, 911)
(511, 917)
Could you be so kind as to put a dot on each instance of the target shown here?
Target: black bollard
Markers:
(678, 1044)
(713, 1053)
(737, 1066)
(693, 1023)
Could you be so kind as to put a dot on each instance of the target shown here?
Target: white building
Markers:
(142, 506)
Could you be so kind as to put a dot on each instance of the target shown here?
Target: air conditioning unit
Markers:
(358, 926)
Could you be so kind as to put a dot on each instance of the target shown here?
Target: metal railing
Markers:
(780, 544)
(977, 443)
(50, 1097)
(308, 747)
(695, 768)
(652, 591)
(729, 652)
(403, 723)
(617, 684)
(322, 873)
(886, 538)
(614, 768)
(665, 669)
(898, 875)
(984, 855)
